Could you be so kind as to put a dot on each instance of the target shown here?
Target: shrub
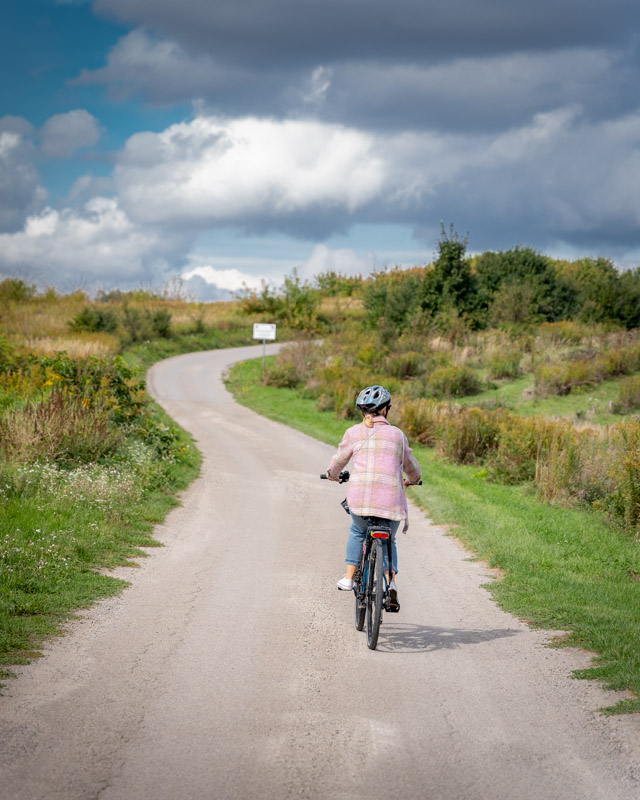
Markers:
(7, 354)
(95, 319)
(453, 382)
(294, 366)
(468, 435)
(61, 427)
(295, 303)
(16, 290)
(523, 441)
(619, 361)
(405, 365)
(282, 373)
(628, 395)
(136, 324)
(160, 319)
(144, 324)
(504, 363)
(421, 419)
(561, 379)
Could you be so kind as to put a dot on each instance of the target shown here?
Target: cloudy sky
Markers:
(233, 140)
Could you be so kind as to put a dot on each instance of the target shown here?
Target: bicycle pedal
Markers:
(394, 607)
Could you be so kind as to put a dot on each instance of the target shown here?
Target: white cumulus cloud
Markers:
(95, 242)
(211, 170)
(230, 280)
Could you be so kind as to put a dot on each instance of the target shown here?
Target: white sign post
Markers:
(264, 331)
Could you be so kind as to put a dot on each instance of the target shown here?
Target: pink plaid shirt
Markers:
(380, 455)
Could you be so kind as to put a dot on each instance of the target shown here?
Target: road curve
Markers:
(231, 668)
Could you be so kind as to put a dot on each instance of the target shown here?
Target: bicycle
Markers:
(371, 584)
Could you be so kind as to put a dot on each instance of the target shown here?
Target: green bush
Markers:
(504, 363)
(295, 304)
(161, 322)
(619, 361)
(561, 379)
(7, 354)
(628, 395)
(95, 319)
(16, 290)
(453, 381)
(295, 365)
(522, 442)
(144, 324)
(283, 374)
(405, 365)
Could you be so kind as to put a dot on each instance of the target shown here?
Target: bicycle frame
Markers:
(371, 585)
(374, 525)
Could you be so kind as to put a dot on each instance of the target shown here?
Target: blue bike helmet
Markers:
(373, 398)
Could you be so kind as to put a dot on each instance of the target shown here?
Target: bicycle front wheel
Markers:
(375, 592)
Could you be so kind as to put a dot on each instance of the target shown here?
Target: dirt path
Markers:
(231, 668)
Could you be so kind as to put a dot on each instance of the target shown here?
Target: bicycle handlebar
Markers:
(343, 477)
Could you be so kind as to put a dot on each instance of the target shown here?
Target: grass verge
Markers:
(61, 525)
(564, 569)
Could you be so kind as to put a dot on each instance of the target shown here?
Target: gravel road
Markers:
(231, 667)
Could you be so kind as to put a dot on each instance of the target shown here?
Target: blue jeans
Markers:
(357, 534)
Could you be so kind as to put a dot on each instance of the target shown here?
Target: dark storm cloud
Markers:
(408, 65)
(517, 122)
(484, 94)
(291, 32)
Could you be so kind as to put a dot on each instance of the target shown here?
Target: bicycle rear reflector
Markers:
(380, 534)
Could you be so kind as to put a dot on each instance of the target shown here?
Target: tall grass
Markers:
(60, 427)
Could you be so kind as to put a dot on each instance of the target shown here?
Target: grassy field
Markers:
(563, 569)
(61, 525)
(592, 405)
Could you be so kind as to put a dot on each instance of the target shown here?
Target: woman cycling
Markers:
(376, 488)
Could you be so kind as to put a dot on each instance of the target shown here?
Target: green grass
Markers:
(563, 569)
(244, 381)
(589, 406)
(59, 526)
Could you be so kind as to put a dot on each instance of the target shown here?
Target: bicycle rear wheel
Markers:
(375, 592)
(361, 608)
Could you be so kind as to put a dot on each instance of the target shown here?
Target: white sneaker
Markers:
(345, 584)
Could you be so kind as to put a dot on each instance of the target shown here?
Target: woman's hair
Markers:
(368, 419)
